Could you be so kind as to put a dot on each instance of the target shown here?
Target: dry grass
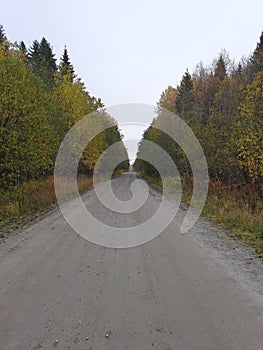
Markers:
(21, 203)
(228, 206)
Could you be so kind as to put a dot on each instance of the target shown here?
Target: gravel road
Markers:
(200, 290)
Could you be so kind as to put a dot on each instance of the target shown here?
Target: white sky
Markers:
(129, 51)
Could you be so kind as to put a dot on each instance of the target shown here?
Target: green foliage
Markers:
(257, 57)
(27, 140)
(38, 106)
(185, 97)
(42, 61)
(249, 130)
(65, 67)
(220, 69)
(23, 48)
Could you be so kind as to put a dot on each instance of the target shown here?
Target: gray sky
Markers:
(129, 51)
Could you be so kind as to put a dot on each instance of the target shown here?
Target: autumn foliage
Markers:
(223, 104)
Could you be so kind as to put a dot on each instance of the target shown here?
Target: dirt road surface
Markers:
(200, 290)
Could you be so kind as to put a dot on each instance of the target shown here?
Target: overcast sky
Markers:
(129, 51)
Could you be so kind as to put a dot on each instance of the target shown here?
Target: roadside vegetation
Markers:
(223, 104)
(40, 100)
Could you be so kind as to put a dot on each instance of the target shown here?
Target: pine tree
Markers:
(65, 67)
(185, 97)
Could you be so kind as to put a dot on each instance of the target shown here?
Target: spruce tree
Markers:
(220, 69)
(42, 61)
(257, 57)
(34, 57)
(23, 48)
(48, 62)
(65, 67)
(185, 97)
(2, 34)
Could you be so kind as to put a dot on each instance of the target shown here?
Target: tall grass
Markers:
(228, 206)
(21, 203)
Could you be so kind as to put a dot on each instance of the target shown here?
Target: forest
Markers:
(223, 105)
(40, 100)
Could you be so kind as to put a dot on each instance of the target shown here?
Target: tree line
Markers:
(40, 100)
(223, 104)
